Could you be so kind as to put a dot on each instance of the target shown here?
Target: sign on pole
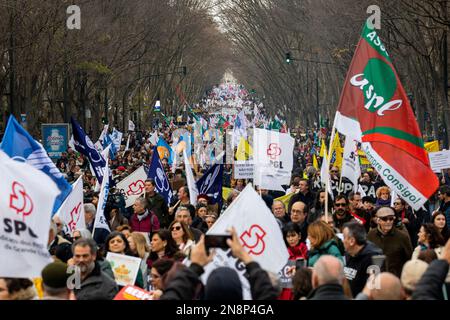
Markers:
(55, 138)
(439, 160)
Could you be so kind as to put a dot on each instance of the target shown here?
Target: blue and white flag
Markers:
(20, 145)
(156, 172)
(211, 184)
(107, 141)
(84, 145)
(100, 220)
(116, 137)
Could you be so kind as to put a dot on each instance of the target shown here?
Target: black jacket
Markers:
(185, 283)
(356, 267)
(328, 292)
(97, 286)
(431, 285)
(158, 205)
(307, 199)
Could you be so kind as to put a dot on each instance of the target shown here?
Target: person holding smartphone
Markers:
(298, 252)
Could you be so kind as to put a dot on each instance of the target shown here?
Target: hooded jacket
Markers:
(356, 267)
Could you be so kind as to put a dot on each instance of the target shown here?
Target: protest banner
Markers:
(55, 138)
(133, 186)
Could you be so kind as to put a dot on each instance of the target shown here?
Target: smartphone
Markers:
(217, 241)
(300, 263)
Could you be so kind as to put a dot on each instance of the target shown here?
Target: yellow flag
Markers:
(336, 147)
(285, 199)
(362, 158)
(315, 163)
(226, 192)
(323, 149)
(432, 146)
(244, 150)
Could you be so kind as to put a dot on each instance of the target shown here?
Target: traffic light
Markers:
(288, 57)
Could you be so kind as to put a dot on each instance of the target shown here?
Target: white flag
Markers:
(272, 157)
(154, 138)
(128, 143)
(104, 132)
(100, 220)
(71, 211)
(27, 196)
(131, 125)
(350, 165)
(325, 175)
(258, 232)
(193, 192)
(133, 186)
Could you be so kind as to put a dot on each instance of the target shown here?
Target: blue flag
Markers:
(156, 172)
(84, 145)
(211, 184)
(165, 151)
(107, 141)
(20, 145)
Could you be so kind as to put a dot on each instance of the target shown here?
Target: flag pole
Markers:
(328, 168)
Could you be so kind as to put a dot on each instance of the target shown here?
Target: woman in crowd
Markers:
(162, 246)
(322, 239)
(319, 206)
(199, 221)
(210, 219)
(117, 243)
(125, 229)
(182, 236)
(383, 197)
(16, 289)
(297, 251)
(429, 238)
(159, 269)
(438, 219)
(139, 248)
(240, 184)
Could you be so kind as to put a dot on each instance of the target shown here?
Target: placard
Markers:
(243, 170)
(439, 160)
(133, 293)
(55, 138)
(125, 268)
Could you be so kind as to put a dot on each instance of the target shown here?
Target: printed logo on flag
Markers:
(75, 215)
(209, 181)
(253, 239)
(20, 201)
(161, 182)
(273, 151)
(136, 188)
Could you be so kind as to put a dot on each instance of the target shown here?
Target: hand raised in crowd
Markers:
(199, 254)
(236, 247)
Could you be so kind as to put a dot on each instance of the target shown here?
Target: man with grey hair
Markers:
(327, 279)
(183, 214)
(143, 220)
(279, 211)
(395, 244)
(89, 215)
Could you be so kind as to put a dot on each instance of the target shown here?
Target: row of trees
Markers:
(322, 35)
(127, 54)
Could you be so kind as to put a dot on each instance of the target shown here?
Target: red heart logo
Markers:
(135, 188)
(19, 200)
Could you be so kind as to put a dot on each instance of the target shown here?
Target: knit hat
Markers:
(223, 284)
(412, 272)
(55, 275)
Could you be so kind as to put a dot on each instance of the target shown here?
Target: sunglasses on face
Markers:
(388, 218)
(178, 228)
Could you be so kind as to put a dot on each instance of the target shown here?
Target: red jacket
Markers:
(297, 252)
(149, 224)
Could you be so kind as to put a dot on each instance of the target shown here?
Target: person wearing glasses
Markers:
(395, 244)
(341, 213)
(182, 235)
